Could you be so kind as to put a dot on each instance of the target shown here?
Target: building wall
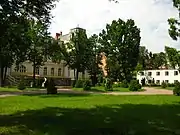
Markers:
(170, 78)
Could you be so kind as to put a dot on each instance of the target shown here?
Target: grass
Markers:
(167, 88)
(101, 89)
(89, 114)
(14, 89)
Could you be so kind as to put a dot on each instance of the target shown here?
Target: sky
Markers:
(93, 15)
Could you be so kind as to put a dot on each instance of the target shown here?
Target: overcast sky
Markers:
(149, 15)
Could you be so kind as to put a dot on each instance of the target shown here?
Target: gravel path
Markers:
(148, 91)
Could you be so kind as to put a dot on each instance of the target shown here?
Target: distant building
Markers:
(159, 76)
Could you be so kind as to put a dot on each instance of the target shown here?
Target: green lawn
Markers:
(14, 89)
(101, 89)
(89, 115)
(168, 88)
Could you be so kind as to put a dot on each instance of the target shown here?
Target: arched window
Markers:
(37, 71)
(59, 72)
(45, 71)
(52, 71)
(22, 69)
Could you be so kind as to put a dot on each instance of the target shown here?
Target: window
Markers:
(166, 81)
(166, 73)
(16, 69)
(142, 73)
(158, 73)
(175, 81)
(157, 81)
(45, 71)
(59, 72)
(37, 71)
(22, 69)
(175, 72)
(149, 73)
(52, 71)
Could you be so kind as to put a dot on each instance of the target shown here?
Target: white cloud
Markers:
(150, 16)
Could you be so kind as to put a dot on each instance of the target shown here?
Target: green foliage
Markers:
(79, 84)
(120, 43)
(51, 89)
(87, 85)
(108, 85)
(73, 83)
(124, 84)
(134, 85)
(21, 85)
(176, 90)
(170, 85)
(163, 85)
(143, 82)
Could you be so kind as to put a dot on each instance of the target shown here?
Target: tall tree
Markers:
(42, 46)
(14, 16)
(94, 58)
(75, 51)
(174, 30)
(173, 57)
(121, 41)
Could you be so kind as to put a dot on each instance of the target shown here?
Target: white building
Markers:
(168, 76)
(49, 69)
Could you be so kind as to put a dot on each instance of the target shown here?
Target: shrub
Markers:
(143, 82)
(21, 85)
(163, 85)
(79, 84)
(73, 83)
(176, 90)
(124, 84)
(87, 85)
(108, 85)
(51, 89)
(134, 85)
(171, 85)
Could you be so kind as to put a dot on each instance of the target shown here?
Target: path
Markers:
(148, 91)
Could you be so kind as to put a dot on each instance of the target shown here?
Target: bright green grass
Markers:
(14, 89)
(101, 89)
(167, 88)
(90, 115)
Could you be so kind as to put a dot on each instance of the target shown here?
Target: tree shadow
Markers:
(125, 119)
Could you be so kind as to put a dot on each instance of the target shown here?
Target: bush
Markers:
(108, 85)
(124, 84)
(143, 82)
(163, 85)
(21, 85)
(79, 84)
(171, 85)
(73, 83)
(87, 85)
(176, 90)
(134, 85)
(51, 89)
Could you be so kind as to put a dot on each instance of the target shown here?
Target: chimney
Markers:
(61, 33)
(57, 36)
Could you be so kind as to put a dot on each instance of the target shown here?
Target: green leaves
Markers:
(120, 43)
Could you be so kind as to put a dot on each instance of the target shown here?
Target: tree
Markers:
(14, 16)
(41, 45)
(121, 41)
(173, 57)
(174, 30)
(94, 58)
(75, 52)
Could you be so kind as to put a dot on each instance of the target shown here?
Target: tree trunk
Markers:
(1, 76)
(77, 74)
(4, 77)
(34, 74)
(74, 74)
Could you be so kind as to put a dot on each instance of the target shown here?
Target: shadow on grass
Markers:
(125, 119)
